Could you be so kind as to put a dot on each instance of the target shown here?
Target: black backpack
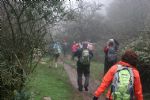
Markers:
(112, 54)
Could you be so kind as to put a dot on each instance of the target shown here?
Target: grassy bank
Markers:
(97, 70)
(51, 82)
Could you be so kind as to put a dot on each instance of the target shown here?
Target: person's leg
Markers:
(110, 64)
(64, 52)
(79, 78)
(86, 75)
(53, 60)
(50, 61)
(73, 55)
(105, 66)
(56, 59)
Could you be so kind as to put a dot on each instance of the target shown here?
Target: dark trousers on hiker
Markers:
(108, 64)
(105, 65)
(83, 70)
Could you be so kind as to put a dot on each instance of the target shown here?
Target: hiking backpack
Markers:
(85, 57)
(57, 49)
(112, 54)
(122, 85)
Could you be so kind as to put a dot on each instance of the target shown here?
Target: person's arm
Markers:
(77, 53)
(116, 42)
(105, 49)
(106, 81)
(137, 86)
(91, 54)
(72, 47)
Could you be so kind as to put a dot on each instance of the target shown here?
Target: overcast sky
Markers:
(105, 3)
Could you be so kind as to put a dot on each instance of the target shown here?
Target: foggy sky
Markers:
(104, 2)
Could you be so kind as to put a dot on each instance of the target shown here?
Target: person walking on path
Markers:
(64, 46)
(124, 79)
(110, 51)
(56, 53)
(83, 66)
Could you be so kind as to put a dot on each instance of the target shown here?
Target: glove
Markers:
(95, 98)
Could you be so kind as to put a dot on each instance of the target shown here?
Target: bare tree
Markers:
(24, 25)
(86, 23)
(127, 17)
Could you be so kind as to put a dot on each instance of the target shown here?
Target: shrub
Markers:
(142, 47)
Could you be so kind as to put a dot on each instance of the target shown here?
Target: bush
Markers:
(142, 47)
(22, 95)
(24, 25)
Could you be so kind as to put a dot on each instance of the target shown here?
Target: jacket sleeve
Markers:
(137, 86)
(106, 81)
(105, 49)
(91, 54)
(78, 53)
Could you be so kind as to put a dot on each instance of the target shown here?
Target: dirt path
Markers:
(73, 79)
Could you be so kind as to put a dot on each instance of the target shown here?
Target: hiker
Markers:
(124, 79)
(65, 44)
(56, 52)
(83, 66)
(37, 54)
(110, 51)
(80, 45)
(90, 46)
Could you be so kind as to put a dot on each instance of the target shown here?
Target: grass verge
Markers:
(96, 70)
(52, 82)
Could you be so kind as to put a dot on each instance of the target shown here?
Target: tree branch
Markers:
(10, 24)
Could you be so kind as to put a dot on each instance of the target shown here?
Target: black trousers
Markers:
(83, 70)
(108, 64)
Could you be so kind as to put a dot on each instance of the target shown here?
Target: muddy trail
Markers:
(93, 84)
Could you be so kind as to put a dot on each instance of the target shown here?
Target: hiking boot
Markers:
(86, 88)
(80, 89)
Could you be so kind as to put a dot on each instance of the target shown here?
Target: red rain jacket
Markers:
(107, 80)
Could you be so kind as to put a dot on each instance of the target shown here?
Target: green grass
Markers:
(51, 82)
(96, 70)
